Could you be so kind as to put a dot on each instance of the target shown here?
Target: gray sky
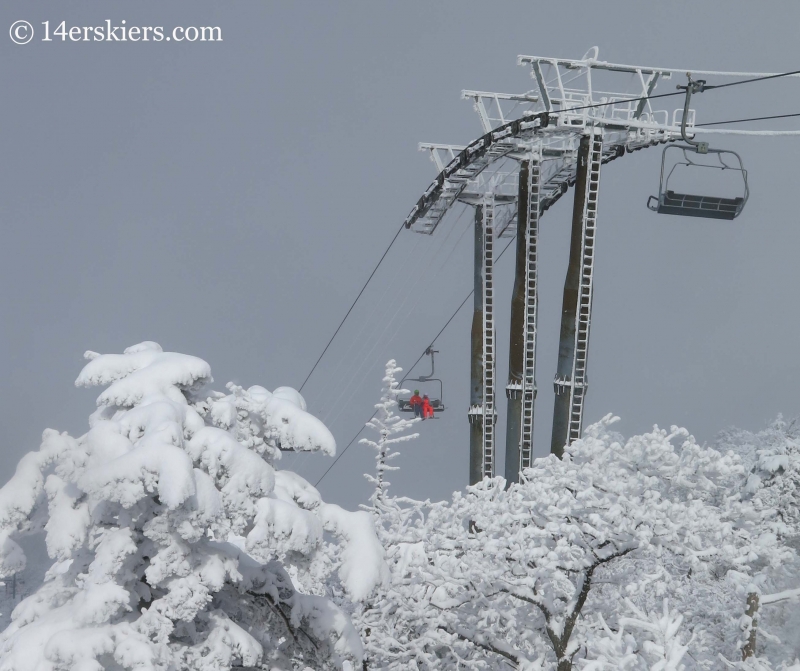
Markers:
(228, 200)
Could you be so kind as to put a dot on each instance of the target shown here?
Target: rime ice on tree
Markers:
(630, 554)
(389, 428)
(175, 540)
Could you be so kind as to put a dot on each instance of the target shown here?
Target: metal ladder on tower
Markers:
(488, 337)
(584, 317)
(531, 305)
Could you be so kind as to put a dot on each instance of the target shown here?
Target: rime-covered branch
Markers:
(175, 540)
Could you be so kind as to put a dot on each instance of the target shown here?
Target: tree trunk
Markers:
(749, 648)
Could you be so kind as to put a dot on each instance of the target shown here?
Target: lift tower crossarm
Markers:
(481, 98)
(576, 63)
(560, 94)
(437, 151)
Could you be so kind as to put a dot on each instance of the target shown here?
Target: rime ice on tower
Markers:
(173, 535)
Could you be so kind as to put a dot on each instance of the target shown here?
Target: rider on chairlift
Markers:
(416, 403)
(427, 408)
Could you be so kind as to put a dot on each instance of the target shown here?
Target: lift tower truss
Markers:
(532, 210)
(521, 387)
(580, 114)
(482, 412)
(489, 413)
(570, 383)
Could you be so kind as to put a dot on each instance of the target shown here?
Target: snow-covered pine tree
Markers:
(390, 429)
(175, 541)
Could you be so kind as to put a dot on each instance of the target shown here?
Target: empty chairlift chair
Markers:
(669, 201)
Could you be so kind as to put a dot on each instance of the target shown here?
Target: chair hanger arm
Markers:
(694, 86)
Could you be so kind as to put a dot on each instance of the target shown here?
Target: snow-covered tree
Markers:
(175, 541)
(771, 620)
(575, 562)
(390, 429)
(652, 642)
(773, 460)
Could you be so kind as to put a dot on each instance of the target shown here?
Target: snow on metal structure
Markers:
(616, 107)
(548, 114)
(570, 383)
(488, 338)
(521, 386)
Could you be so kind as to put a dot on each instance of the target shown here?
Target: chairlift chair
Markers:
(437, 404)
(669, 201)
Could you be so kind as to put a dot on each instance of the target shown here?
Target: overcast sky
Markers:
(228, 199)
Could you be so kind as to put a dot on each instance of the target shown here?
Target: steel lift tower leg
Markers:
(489, 413)
(475, 414)
(570, 382)
(521, 388)
(482, 415)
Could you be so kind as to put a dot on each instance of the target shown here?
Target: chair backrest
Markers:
(674, 202)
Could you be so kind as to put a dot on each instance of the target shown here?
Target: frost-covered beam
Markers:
(574, 64)
(482, 98)
(441, 154)
(570, 382)
(489, 413)
(521, 388)
(482, 414)
(475, 413)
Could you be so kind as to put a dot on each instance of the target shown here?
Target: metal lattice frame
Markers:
(488, 338)
(548, 115)
(577, 383)
(531, 311)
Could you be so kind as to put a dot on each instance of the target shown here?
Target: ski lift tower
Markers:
(580, 115)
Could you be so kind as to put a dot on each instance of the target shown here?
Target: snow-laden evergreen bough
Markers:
(176, 543)
(635, 554)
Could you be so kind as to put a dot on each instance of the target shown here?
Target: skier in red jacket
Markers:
(427, 408)
(416, 403)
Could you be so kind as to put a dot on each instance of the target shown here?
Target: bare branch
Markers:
(279, 611)
(486, 645)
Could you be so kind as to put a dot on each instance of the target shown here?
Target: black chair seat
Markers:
(709, 207)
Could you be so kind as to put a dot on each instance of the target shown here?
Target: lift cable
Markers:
(355, 381)
(369, 323)
(678, 93)
(364, 426)
(757, 118)
(754, 79)
(338, 328)
(435, 338)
